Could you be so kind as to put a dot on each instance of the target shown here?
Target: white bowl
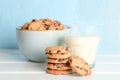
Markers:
(33, 43)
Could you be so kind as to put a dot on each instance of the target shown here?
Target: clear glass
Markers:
(83, 42)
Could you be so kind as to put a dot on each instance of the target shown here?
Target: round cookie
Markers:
(57, 60)
(56, 25)
(58, 66)
(58, 52)
(34, 26)
(58, 55)
(80, 66)
(56, 49)
(59, 72)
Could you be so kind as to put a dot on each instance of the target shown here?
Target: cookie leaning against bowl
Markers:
(80, 66)
(58, 52)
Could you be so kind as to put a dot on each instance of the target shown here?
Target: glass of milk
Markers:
(84, 44)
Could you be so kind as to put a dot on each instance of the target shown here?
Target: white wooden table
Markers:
(14, 66)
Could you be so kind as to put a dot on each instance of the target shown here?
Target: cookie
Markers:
(57, 49)
(58, 55)
(80, 66)
(58, 52)
(57, 60)
(34, 26)
(56, 25)
(58, 66)
(58, 72)
(25, 26)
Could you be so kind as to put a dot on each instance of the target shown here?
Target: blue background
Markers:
(102, 13)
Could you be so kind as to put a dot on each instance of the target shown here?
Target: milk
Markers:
(84, 46)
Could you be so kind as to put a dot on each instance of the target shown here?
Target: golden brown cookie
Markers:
(80, 66)
(58, 52)
(59, 55)
(25, 26)
(56, 25)
(56, 49)
(57, 60)
(58, 72)
(34, 26)
(58, 66)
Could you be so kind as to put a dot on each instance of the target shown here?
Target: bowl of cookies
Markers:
(35, 36)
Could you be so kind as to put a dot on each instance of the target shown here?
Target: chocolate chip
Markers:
(58, 23)
(70, 60)
(85, 63)
(60, 60)
(47, 28)
(85, 70)
(58, 51)
(48, 68)
(49, 51)
(56, 28)
(62, 53)
(34, 20)
(58, 66)
(49, 63)
(26, 27)
(67, 64)
(66, 49)
(43, 21)
(77, 67)
(54, 64)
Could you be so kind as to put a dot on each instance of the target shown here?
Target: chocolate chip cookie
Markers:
(56, 25)
(58, 72)
(80, 66)
(57, 60)
(58, 66)
(58, 52)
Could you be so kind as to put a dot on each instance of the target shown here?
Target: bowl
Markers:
(33, 43)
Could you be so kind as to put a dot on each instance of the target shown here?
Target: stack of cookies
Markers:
(58, 60)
